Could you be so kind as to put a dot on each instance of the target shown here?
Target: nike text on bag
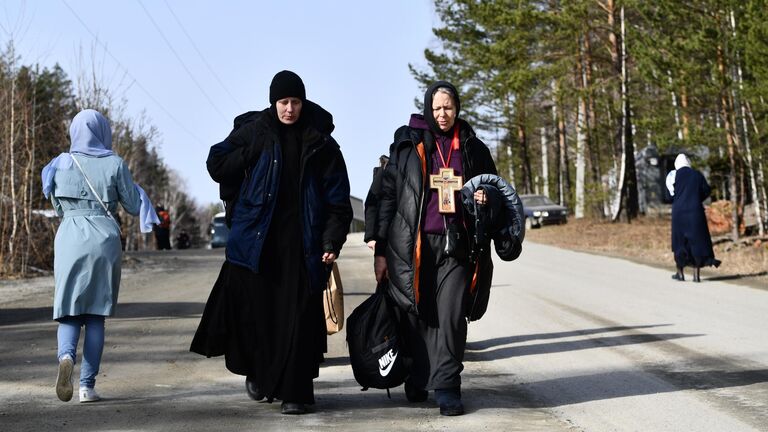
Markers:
(333, 302)
(374, 346)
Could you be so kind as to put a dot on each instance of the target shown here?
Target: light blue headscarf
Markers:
(90, 134)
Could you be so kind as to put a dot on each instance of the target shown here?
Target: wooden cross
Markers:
(447, 185)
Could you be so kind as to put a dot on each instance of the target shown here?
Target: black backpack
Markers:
(375, 349)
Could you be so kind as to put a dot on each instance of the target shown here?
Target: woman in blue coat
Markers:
(285, 184)
(85, 187)
(691, 242)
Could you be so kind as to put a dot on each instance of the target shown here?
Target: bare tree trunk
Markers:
(760, 169)
(522, 139)
(593, 138)
(510, 161)
(627, 187)
(745, 130)
(686, 119)
(4, 179)
(25, 189)
(613, 48)
(12, 158)
(556, 124)
(510, 164)
(580, 159)
(675, 107)
(630, 182)
(725, 113)
(581, 135)
(565, 182)
(544, 162)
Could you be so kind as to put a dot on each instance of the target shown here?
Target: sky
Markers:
(191, 66)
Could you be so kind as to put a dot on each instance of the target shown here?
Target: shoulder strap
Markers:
(93, 190)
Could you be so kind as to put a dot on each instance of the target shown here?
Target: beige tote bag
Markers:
(333, 302)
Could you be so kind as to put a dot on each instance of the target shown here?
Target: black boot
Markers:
(253, 390)
(415, 394)
(450, 401)
(679, 276)
(293, 408)
(697, 274)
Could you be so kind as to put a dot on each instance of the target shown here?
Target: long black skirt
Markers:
(268, 326)
(691, 242)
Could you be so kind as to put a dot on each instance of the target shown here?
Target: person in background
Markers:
(182, 240)
(163, 230)
(372, 203)
(85, 187)
(422, 243)
(285, 183)
(691, 242)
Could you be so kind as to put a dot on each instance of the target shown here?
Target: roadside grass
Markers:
(647, 241)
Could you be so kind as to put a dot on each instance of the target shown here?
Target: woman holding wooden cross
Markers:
(422, 241)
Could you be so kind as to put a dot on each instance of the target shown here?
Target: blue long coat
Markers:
(691, 241)
(87, 249)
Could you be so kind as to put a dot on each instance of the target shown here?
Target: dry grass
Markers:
(647, 240)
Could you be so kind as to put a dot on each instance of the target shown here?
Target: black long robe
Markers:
(691, 241)
(268, 325)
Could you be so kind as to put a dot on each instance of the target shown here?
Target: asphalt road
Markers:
(570, 342)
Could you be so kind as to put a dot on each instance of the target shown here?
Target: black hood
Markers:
(317, 117)
(428, 105)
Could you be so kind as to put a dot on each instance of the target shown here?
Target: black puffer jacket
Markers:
(500, 220)
(403, 201)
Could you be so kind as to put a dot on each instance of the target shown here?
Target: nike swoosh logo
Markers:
(384, 372)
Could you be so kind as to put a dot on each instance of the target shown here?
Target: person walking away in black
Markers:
(163, 230)
(422, 245)
(691, 242)
(285, 185)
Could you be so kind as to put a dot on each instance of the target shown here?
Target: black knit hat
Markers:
(286, 84)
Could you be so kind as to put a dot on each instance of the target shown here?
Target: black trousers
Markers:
(437, 336)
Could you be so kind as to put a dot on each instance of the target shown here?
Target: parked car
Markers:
(540, 210)
(219, 231)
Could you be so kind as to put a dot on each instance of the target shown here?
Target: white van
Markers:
(219, 231)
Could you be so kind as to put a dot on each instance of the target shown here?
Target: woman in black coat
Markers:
(285, 183)
(422, 241)
(691, 242)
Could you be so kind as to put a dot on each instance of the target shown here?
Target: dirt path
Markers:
(151, 382)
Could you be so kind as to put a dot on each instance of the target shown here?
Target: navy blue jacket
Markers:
(247, 167)
(691, 241)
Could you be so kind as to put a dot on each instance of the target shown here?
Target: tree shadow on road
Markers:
(479, 350)
(556, 347)
(489, 343)
(14, 316)
(613, 384)
(736, 276)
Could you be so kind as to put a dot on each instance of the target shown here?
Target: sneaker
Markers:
(88, 394)
(415, 394)
(64, 378)
(293, 408)
(450, 401)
